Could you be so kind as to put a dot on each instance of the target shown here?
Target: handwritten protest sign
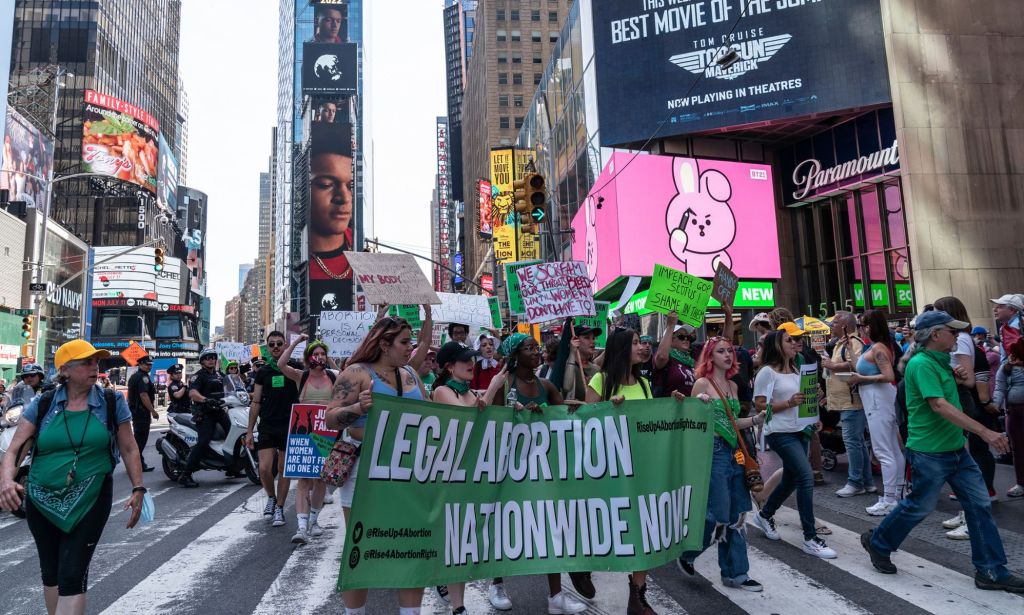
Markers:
(309, 441)
(555, 290)
(725, 285)
(809, 387)
(234, 351)
(600, 321)
(411, 313)
(675, 290)
(469, 310)
(344, 331)
(495, 304)
(391, 278)
(298, 353)
(515, 296)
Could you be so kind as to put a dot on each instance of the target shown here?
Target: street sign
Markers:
(37, 287)
(24, 312)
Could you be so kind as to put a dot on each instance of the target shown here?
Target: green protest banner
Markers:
(676, 290)
(809, 387)
(515, 295)
(410, 313)
(447, 493)
(600, 321)
(495, 304)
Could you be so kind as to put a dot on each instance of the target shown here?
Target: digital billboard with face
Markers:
(119, 140)
(131, 276)
(331, 220)
(683, 213)
(330, 21)
(329, 68)
(27, 161)
(659, 70)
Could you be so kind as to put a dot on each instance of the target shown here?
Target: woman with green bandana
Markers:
(673, 363)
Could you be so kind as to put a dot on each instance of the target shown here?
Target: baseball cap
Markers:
(791, 328)
(935, 318)
(76, 350)
(759, 317)
(1011, 300)
(582, 330)
(979, 331)
(690, 331)
(453, 352)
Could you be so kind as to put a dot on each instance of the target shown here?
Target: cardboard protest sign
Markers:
(725, 285)
(309, 441)
(600, 321)
(344, 331)
(411, 313)
(234, 351)
(391, 278)
(471, 310)
(495, 304)
(515, 296)
(300, 348)
(809, 387)
(556, 290)
(675, 290)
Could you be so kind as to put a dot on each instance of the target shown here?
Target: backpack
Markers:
(305, 377)
(46, 400)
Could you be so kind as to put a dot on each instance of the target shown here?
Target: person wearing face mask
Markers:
(315, 385)
(379, 366)
(488, 365)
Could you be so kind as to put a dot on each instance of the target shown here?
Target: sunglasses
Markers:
(684, 337)
(275, 344)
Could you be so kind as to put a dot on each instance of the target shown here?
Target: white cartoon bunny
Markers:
(591, 239)
(699, 221)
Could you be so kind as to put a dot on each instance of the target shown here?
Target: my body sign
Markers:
(447, 494)
(552, 291)
(391, 278)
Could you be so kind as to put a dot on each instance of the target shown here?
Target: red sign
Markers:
(487, 283)
(486, 205)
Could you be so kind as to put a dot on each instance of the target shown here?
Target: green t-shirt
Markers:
(928, 375)
(631, 392)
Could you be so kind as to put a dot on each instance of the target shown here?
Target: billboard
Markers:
(119, 140)
(485, 201)
(27, 160)
(331, 217)
(445, 236)
(167, 177)
(691, 214)
(795, 58)
(329, 68)
(131, 276)
(330, 21)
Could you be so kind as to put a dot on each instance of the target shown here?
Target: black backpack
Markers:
(305, 377)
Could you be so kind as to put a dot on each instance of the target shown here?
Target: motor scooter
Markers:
(9, 420)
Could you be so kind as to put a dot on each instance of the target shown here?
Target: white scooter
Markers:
(227, 452)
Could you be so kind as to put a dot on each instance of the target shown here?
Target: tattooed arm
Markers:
(350, 399)
(423, 341)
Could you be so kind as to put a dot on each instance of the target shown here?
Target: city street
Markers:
(210, 551)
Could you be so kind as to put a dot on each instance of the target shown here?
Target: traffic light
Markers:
(158, 259)
(531, 202)
(27, 324)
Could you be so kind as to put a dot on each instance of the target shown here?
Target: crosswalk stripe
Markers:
(308, 578)
(920, 582)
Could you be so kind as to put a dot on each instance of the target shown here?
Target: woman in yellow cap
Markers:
(83, 431)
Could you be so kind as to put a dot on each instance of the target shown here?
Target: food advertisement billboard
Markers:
(331, 217)
(788, 55)
(329, 68)
(119, 140)
(131, 276)
(27, 161)
(691, 213)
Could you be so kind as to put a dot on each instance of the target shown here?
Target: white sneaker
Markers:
(278, 517)
(498, 598)
(848, 491)
(1015, 491)
(442, 594)
(315, 530)
(959, 533)
(564, 603)
(300, 537)
(767, 526)
(871, 489)
(817, 547)
(955, 522)
(881, 508)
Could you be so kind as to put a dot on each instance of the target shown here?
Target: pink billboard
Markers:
(683, 213)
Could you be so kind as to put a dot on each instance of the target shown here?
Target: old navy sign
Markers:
(808, 175)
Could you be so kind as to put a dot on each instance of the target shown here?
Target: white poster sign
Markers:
(234, 351)
(391, 278)
(472, 310)
(344, 331)
(554, 291)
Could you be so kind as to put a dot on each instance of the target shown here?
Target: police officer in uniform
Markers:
(206, 391)
(141, 397)
(177, 392)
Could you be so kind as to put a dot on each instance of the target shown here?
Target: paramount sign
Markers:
(808, 175)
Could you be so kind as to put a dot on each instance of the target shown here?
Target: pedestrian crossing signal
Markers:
(26, 326)
(158, 259)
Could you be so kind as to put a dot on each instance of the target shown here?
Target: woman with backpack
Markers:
(80, 434)
(315, 383)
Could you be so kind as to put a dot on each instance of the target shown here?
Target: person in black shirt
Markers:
(177, 392)
(272, 398)
(206, 390)
(141, 395)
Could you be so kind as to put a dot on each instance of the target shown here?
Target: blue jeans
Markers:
(728, 499)
(796, 476)
(858, 471)
(958, 469)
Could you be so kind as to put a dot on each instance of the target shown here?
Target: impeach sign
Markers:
(391, 278)
(675, 290)
(553, 291)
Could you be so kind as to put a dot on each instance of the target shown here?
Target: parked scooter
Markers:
(227, 452)
(9, 420)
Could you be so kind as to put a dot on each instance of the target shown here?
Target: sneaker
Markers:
(563, 603)
(278, 517)
(848, 491)
(952, 497)
(767, 525)
(871, 489)
(442, 595)
(992, 495)
(750, 585)
(315, 530)
(268, 510)
(583, 584)
(881, 508)
(1015, 491)
(300, 537)
(685, 567)
(1012, 583)
(819, 479)
(955, 522)
(498, 597)
(882, 563)
(817, 547)
(460, 611)
(959, 533)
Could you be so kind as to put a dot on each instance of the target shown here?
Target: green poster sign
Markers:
(447, 494)
(753, 294)
(599, 321)
(880, 295)
(809, 387)
(411, 313)
(673, 290)
(495, 304)
(515, 295)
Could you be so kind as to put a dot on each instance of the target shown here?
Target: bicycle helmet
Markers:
(30, 369)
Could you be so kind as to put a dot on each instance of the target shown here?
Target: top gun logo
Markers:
(751, 52)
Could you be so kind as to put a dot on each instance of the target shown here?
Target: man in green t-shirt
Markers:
(935, 449)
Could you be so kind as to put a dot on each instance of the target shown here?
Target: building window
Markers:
(514, 14)
(517, 100)
(553, 16)
(503, 100)
(503, 122)
(553, 37)
(517, 78)
(502, 58)
(501, 35)
(516, 36)
(535, 36)
(519, 123)
(502, 78)
(517, 58)
(500, 14)
(535, 15)
(536, 78)
(537, 59)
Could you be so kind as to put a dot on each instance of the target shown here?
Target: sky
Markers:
(233, 107)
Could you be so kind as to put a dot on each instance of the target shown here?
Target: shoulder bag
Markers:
(751, 470)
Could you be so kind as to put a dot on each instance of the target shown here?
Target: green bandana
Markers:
(512, 343)
(457, 385)
(723, 426)
(683, 357)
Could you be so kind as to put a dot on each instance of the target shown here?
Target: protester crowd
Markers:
(900, 398)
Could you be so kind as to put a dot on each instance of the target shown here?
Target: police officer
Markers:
(177, 391)
(141, 396)
(31, 384)
(206, 390)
